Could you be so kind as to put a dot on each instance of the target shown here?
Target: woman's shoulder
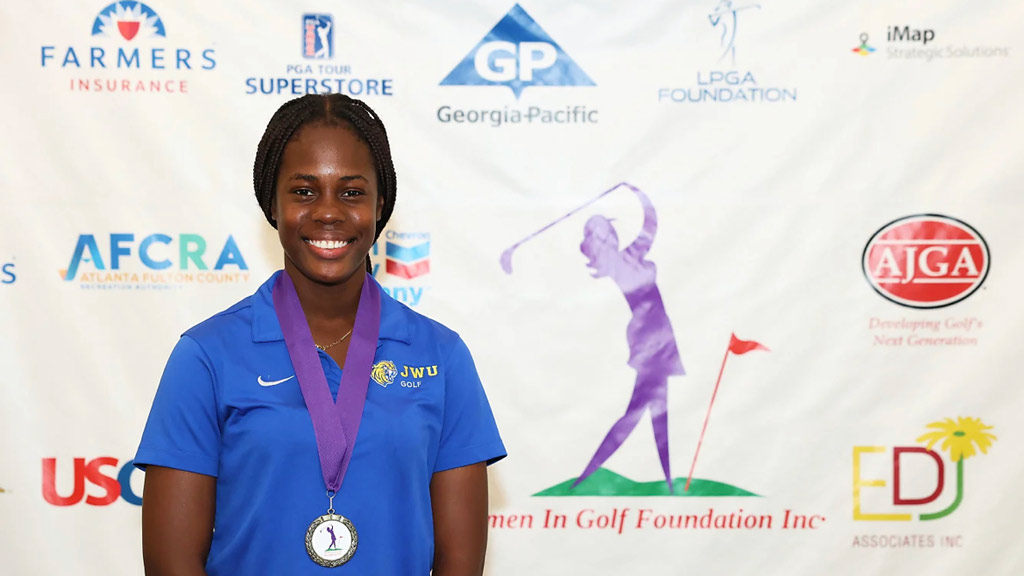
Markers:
(240, 320)
(401, 322)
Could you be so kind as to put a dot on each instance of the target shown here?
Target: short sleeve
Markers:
(183, 430)
(468, 433)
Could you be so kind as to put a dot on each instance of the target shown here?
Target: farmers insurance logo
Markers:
(153, 262)
(130, 53)
(926, 261)
(406, 259)
(725, 44)
(314, 71)
(915, 483)
(517, 53)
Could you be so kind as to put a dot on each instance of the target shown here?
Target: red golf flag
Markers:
(737, 346)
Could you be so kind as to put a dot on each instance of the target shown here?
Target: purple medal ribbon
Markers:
(335, 424)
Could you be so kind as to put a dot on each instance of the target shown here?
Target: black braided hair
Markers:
(330, 109)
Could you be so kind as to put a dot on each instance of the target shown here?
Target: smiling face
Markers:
(326, 204)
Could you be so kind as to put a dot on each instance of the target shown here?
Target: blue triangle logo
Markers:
(517, 53)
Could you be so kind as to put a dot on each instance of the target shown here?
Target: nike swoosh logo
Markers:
(263, 382)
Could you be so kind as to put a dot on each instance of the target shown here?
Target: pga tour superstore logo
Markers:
(726, 82)
(324, 76)
(130, 53)
(926, 261)
(907, 483)
(406, 258)
(517, 54)
(126, 261)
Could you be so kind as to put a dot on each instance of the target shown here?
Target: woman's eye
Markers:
(304, 192)
(352, 192)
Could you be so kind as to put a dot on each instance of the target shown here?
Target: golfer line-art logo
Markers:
(725, 17)
(653, 354)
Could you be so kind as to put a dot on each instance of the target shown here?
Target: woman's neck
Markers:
(325, 306)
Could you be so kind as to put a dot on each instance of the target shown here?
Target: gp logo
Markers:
(517, 53)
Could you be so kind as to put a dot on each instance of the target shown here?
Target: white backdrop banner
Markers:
(738, 275)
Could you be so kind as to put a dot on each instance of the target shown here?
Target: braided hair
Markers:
(328, 109)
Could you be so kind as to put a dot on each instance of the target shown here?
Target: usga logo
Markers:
(162, 263)
(926, 261)
(114, 484)
(125, 32)
(917, 478)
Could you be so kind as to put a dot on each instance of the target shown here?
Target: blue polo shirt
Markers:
(229, 406)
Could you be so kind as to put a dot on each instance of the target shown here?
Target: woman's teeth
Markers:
(327, 244)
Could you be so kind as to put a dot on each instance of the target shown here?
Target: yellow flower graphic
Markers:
(959, 437)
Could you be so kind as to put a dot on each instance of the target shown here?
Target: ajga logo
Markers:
(322, 77)
(926, 261)
(156, 261)
(406, 261)
(517, 53)
(725, 82)
(916, 480)
(131, 54)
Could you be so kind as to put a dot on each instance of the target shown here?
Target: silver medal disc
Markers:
(331, 540)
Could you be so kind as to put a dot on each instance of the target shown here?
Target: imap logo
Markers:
(406, 261)
(131, 55)
(916, 478)
(159, 261)
(926, 261)
(114, 484)
(864, 49)
(517, 53)
(317, 36)
(726, 83)
(323, 77)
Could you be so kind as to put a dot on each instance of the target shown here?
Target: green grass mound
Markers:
(604, 482)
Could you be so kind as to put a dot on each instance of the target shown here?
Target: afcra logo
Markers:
(917, 478)
(103, 473)
(158, 261)
(517, 53)
(129, 41)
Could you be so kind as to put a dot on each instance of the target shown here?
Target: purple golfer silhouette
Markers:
(652, 345)
(334, 540)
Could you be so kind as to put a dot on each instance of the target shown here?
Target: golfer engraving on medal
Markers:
(331, 540)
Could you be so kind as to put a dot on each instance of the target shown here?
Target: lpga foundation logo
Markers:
(517, 53)
(725, 83)
(323, 77)
(907, 483)
(406, 258)
(156, 262)
(130, 54)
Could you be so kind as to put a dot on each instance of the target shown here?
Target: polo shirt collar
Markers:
(266, 328)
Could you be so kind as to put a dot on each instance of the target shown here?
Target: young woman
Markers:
(319, 425)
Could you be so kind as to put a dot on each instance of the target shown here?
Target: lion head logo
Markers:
(384, 372)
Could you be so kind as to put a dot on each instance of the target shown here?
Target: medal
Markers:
(331, 539)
